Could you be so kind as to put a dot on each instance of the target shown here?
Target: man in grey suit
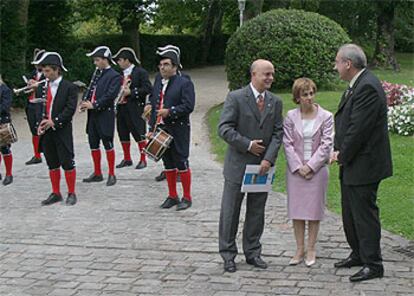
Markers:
(251, 123)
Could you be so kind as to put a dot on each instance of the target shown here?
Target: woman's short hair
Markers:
(302, 84)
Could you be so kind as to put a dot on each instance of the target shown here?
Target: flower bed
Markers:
(400, 100)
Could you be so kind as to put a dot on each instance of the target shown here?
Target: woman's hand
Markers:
(305, 170)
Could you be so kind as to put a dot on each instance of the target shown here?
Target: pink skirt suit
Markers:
(306, 198)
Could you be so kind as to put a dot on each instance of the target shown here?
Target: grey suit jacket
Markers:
(242, 122)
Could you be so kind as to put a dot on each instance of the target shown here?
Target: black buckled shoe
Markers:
(93, 178)
(53, 198)
(230, 266)
(34, 160)
(184, 204)
(348, 262)
(257, 262)
(367, 273)
(124, 163)
(7, 180)
(141, 165)
(160, 177)
(71, 199)
(111, 180)
(169, 203)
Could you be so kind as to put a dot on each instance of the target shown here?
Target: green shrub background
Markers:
(298, 43)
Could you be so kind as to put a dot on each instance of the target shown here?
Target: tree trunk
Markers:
(213, 10)
(131, 30)
(384, 54)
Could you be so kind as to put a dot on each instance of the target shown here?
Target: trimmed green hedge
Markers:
(298, 43)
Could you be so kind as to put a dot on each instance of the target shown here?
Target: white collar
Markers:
(56, 81)
(128, 70)
(256, 93)
(352, 82)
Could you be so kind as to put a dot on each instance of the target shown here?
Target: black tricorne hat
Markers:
(127, 53)
(50, 58)
(169, 51)
(38, 53)
(101, 52)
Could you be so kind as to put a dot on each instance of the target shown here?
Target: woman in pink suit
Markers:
(307, 142)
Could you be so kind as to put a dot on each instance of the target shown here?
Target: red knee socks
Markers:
(186, 183)
(55, 180)
(8, 163)
(171, 176)
(126, 148)
(110, 157)
(35, 141)
(96, 156)
(141, 146)
(70, 177)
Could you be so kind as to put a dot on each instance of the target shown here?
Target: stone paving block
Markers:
(62, 292)
(92, 286)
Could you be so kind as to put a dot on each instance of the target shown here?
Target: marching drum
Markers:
(7, 134)
(157, 146)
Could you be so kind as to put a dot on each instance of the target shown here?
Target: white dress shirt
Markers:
(352, 82)
(53, 89)
(128, 70)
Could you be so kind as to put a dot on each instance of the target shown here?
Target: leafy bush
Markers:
(400, 99)
(298, 43)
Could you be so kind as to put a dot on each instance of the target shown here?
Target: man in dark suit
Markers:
(136, 86)
(172, 102)
(5, 104)
(55, 128)
(362, 150)
(251, 123)
(101, 114)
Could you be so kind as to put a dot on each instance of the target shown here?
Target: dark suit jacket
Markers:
(5, 103)
(241, 122)
(179, 97)
(361, 133)
(63, 109)
(107, 88)
(140, 88)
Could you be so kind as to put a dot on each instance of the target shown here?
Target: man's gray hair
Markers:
(355, 54)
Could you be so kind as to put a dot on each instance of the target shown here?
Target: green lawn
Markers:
(396, 194)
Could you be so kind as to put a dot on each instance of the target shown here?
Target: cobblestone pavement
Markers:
(116, 241)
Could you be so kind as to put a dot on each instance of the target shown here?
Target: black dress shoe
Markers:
(141, 165)
(0, 176)
(160, 177)
(111, 180)
(93, 178)
(348, 262)
(53, 198)
(169, 202)
(184, 204)
(229, 266)
(71, 199)
(257, 262)
(7, 180)
(124, 163)
(34, 160)
(367, 273)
